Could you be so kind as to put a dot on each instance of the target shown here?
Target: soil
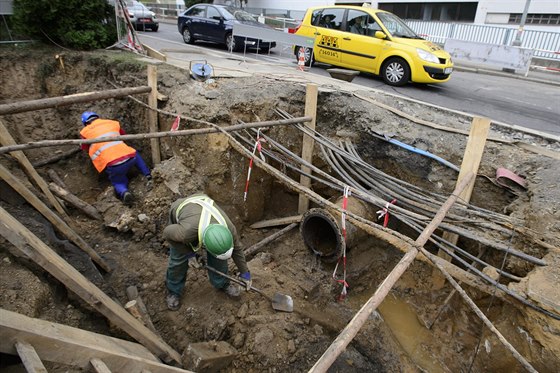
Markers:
(395, 339)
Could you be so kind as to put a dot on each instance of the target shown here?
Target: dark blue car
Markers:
(214, 23)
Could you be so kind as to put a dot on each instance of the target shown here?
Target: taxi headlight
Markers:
(427, 56)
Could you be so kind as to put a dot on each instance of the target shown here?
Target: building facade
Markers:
(542, 14)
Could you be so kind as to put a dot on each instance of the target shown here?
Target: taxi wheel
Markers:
(187, 36)
(395, 72)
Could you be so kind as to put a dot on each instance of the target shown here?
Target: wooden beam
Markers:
(76, 347)
(99, 366)
(154, 53)
(308, 143)
(354, 326)
(471, 162)
(39, 252)
(31, 361)
(198, 131)
(6, 139)
(83, 206)
(55, 220)
(259, 245)
(276, 222)
(56, 158)
(45, 103)
(132, 294)
(152, 113)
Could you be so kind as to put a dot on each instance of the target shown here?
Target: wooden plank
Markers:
(55, 220)
(99, 366)
(276, 222)
(259, 245)
(197, 131)
(471, 162)
(31, 361)
(354, 326)
(45, 103)
(83, 206)
(152, 113)
(6, 139)
(132, 294)
(155, 53)
(39, 252)
(76, 347)
(308, 143)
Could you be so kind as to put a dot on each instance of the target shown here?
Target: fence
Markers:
(545, 43)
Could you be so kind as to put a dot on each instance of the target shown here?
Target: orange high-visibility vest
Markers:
(102, 153)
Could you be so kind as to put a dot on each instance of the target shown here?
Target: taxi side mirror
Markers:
(380, 35)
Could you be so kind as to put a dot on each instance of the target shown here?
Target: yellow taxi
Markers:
(373, 41)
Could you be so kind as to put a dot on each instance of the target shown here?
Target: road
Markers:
(513, 101)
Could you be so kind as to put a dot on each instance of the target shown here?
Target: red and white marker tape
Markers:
(175, 125)
(342, 281)
(255, 148)
(384, 213)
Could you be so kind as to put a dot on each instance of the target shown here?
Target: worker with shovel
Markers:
(114, 157)
(197, 226)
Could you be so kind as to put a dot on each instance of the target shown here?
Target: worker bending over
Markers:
(198, 226)
(115, 157)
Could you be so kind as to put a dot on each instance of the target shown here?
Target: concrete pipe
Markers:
(322, 233)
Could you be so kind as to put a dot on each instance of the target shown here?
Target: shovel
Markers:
(280, 302)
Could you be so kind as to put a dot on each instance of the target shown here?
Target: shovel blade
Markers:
(282, 302)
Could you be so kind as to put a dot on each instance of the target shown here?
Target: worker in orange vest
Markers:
(115, 157)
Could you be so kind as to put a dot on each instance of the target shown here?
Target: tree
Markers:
(75, 24)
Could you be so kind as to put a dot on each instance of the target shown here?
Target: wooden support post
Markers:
(45, 103)
(471, 161)
(39, 252)
(76, 347)
(354, 326)
(99, 366)
(57, 179)
(132, 294)
(259, 245)
(308, 143)
(83, 206)
(6, 139)
(55, 220)
(152, 113)
(31, 361)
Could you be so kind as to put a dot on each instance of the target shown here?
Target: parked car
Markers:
(373, 41)
(141, 17)
(214, 23)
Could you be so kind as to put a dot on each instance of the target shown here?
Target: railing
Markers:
(545, 43)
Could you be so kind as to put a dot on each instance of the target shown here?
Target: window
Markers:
(213, 13)
(535, 19)
(460, 11)
(361, 23)
(198, 11)
(329, 18)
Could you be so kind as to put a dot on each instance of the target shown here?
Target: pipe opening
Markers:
(321, 234)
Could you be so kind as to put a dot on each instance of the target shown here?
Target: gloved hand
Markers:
(149, 183)
(195, 261)
(246, 277)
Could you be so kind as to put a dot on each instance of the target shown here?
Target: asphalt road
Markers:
(504, 99)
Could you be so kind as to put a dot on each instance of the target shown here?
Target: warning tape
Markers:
(255, 148)
(384, 213)
(342, 281)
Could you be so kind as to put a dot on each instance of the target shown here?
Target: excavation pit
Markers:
(129, 238)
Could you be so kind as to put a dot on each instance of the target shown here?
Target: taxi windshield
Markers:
(396, 26)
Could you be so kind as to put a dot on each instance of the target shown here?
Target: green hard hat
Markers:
(218, 241)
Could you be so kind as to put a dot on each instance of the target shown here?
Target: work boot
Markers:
(127, 198)
(232, 290)
(173, 302)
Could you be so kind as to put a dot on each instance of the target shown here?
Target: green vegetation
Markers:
(74, 24)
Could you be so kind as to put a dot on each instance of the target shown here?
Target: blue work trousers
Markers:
(118, 174)
(178, 267)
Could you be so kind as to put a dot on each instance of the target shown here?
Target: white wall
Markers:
(514, 6)
(287, 4)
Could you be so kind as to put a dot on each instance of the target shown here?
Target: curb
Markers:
(505, 75)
